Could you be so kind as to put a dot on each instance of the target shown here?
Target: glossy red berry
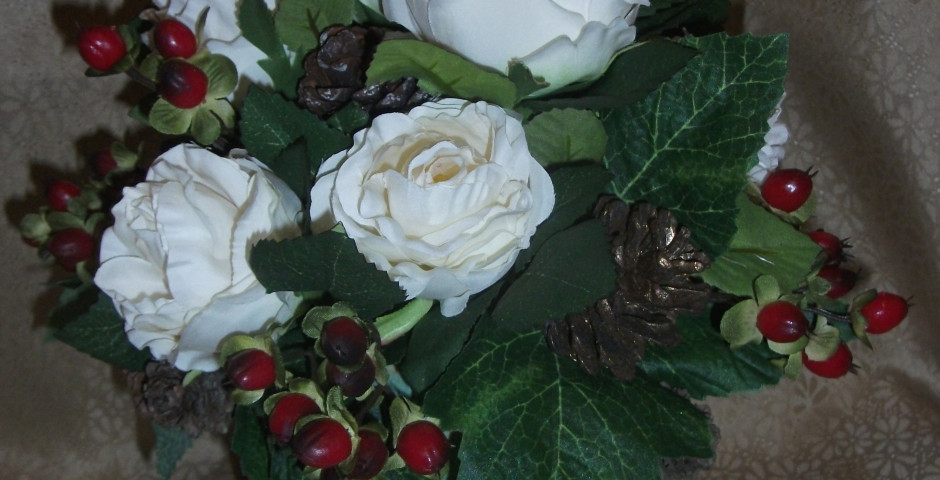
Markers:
(344, 342)
(103, 163)
(835, 366)
(173, 38)
(60, 192)
(841, 281)
(371, 456)
(251, 369)
(101, 47)
(782, 322)
(831, 246)
(182, 84)
(71, 246)
(884, 312)
(352, 383)
(423, 447)
(322, 443)
(787, 189)
(286, 412)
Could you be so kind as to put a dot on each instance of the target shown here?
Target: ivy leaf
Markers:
(249, 443)
(172, 444)
(525, 413)
(703, 365)
(763, 245)
(325, 262)
(439, 72)
(687, 147)
(566, 135)
(90, 324)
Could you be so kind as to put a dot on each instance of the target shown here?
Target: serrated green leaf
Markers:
(439, 72)
(526, 413)
(165, 118)
(561, 136)
(703, 365)
(572, 270)
(249, 443)
(762, 245)
(299, 22)
(257, 25)
(293, 166)
(739, 324)
(688, 146)
(172, 444)
(325, 262)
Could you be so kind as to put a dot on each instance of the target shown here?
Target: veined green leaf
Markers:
(566, 135)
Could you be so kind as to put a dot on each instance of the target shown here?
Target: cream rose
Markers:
(563, 41)
(769, 156)
(443, 198)
(175, 261)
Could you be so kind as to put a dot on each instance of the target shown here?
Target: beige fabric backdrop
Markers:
(863, 107)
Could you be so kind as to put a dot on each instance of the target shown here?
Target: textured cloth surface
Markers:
(863, 107)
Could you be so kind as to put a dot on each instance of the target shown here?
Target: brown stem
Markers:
(834, 317)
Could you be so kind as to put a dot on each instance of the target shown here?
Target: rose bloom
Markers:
(443, 198)
(563, 41)
(175, 262)
(769, 156)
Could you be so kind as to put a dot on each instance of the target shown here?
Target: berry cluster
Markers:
(326, 415)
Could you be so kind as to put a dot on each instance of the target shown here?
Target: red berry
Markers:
(103, 163)
(101, 47)
(172, 38)
(60, 192)
(835, 366)
(831, 245)
(423, 447)
(787, 189)
(322, 443)
(370, 456)
(354, 383)
(71, 246)
(286, 412)
(840, 280)
(884, 312)
(344, 342)
(182, 84)
(251, 369)
(782, 322)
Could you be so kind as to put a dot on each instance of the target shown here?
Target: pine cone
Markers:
(654, 259)
(336, 74)
(203, 405)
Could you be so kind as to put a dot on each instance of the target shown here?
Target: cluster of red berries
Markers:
(318, 427)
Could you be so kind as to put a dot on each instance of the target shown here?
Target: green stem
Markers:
(833, 317)
(400, 322)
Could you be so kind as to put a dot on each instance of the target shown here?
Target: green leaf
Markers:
(560, 136)
(90, 324)
(293, 166)
(687, 147)
(662, 15)
(249, 443)
(172, 444)
(325, 262)
(222, 73)
(439, 72)
(763, 245)
(631, 76)
(526, 413)
(525, 82)
(299, 22)
(257, 24)
(739, 324)
(703, 365)
(205, 128)
(572, 270)
(165, 118)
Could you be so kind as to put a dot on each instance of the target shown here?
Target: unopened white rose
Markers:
(769, 156)
(563, 41)
(175, 261)
(443, 198)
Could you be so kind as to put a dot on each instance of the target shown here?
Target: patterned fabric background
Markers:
(863, 106)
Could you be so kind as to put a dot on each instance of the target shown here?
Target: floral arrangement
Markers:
(467, 239)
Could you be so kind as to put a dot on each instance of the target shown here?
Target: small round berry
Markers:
(322, 443)
(782, 322)
(423, 447)
(831, 246)
(173, 38)
(344, 342)
(71, 246)
(840, 280)
(354, 383)
(371, 456)
(101, 47)
(787, 189)
(835, 366)
(251, 369)
(103, 163)
(884, 312)
(182, 84)
(60, 192)
(286, 412)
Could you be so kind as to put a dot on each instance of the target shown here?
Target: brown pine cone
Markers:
(203, 405)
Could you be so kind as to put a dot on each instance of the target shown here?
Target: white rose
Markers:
(175, 261)
(563, 41)
(443, 198)
(769, 156)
